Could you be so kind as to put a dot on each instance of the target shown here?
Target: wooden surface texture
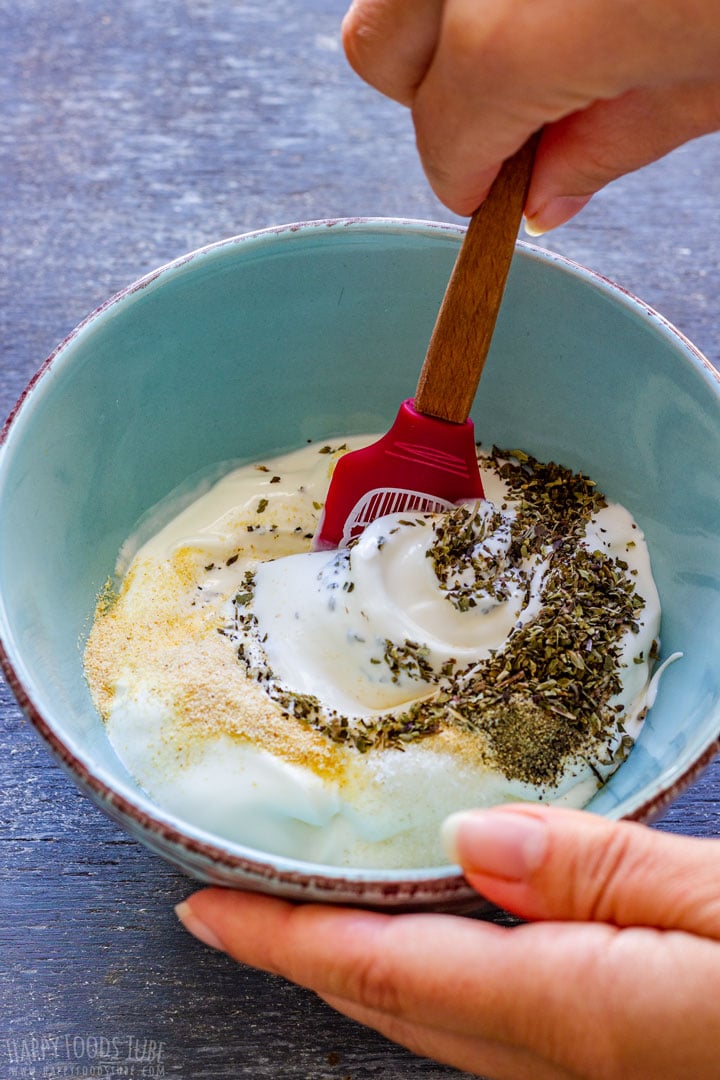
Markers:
(131, 133)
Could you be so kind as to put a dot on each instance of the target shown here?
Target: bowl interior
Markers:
(260, 343)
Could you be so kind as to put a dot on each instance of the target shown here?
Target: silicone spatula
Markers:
(427, 461)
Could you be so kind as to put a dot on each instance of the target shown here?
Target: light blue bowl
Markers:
(256, 344)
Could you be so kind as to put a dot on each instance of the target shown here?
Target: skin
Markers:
(614, 84)
(616, 976)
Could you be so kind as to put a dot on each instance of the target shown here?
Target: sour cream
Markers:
(234, 662)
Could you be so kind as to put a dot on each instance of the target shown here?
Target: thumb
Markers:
(584, 151)
(548, 863)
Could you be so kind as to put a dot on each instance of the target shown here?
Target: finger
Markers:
(390, 43)
(466, 978)
(581, 153)
(648, 999)
(489, 87)
(548, 863)
(467, 1052)
(501, 71)
(465, 128)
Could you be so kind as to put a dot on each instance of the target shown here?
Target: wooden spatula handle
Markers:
(461, 339)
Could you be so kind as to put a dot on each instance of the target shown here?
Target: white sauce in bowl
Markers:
(325, 705)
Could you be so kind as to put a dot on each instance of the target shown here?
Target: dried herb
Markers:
(546, 697)
(467, 571)
(409, 659)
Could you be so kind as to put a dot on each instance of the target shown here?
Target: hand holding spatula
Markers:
(427, 460)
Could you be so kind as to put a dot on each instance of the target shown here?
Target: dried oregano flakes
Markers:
(542, 700)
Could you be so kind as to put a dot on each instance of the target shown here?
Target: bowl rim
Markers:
(403, 885)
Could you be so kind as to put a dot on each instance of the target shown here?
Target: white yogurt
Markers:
(210, 742)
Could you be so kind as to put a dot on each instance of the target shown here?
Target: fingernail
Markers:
(198, 929)
(496, 843)
(553, 213)
(533, 229)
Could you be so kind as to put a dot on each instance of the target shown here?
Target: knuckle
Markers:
(601, 880)
(376, 986)
(362, 26)
(371, 40)
(354, 33)
(485, 40)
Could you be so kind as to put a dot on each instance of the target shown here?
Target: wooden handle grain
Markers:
(461, 339)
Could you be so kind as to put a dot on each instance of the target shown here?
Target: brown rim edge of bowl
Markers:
(450, 889)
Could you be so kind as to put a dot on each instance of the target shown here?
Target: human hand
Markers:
(614, 84)
(619, 980)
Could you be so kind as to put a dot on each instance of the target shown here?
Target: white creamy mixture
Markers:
(328, 705)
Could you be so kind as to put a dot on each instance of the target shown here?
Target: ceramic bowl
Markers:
(253, 345)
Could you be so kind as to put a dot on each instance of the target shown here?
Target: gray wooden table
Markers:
(131, 133)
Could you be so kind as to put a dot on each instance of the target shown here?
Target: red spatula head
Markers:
(422, 464)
